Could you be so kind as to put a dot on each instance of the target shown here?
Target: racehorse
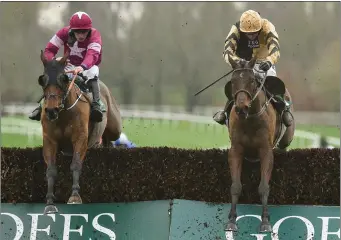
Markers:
(255, 129)
(66, 124)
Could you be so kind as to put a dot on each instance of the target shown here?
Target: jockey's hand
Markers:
(265, 66)
(77, 70)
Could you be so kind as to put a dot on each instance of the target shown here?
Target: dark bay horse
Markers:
(255, 129)
(66, 124)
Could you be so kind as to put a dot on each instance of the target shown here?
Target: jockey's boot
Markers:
(222, 115)
(36, 114)
(96, 114)
(287, 117)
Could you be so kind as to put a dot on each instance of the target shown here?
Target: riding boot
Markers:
(287, 117)
(222, 115)
(36, 114)
(96, 113)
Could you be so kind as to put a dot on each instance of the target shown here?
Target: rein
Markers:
(62, 105)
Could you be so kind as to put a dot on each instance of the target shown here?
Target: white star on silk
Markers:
(79, 14)
(75, 50)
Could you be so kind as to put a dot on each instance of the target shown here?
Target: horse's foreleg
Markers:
(266, 158)
(49, 153)
(79, 150)
(235, 163)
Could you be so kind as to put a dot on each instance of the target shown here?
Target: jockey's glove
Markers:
(265, 66)
(77, 70)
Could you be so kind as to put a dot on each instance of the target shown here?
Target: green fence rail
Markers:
(168, 220)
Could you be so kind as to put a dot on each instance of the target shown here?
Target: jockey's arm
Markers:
(93, 51)
(230, 46)
(272, 41)
(58, 40)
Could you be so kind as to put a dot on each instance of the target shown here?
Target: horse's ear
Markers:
(43, 58)
(64, 58)
(233, 63)
(252, 62)
(42, 80)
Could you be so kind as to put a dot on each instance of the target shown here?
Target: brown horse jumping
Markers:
(66, 124)
(255, 129)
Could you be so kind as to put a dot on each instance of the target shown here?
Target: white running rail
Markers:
(32, 129)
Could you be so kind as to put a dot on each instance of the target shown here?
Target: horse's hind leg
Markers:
(287, 137)
(289, 132)
(111, 135)
(266, 162)
(235, 164)
(113, 128)
(106, 140)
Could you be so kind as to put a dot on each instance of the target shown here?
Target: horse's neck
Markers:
(72, 97)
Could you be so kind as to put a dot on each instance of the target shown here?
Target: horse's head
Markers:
(54, 82)
(243, 85)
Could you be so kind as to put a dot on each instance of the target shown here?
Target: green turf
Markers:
(323, 130)
(22, 141)
(181, 134)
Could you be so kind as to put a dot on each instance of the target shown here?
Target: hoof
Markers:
(50, 209)
(231, 227)
(265, 227)
(76, 199)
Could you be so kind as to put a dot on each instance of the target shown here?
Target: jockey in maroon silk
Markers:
(84, 44)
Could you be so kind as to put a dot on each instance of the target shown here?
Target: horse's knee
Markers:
(117, 134)
(284, 145)
(113, 133)
(236, 188)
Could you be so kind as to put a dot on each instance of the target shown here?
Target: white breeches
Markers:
(272, 71)
(90, 73)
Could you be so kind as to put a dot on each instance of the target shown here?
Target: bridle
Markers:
(62, 106)
(261, 75)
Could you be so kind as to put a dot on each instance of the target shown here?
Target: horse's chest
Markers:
(67, 131)
(249, 139)
(60, 133)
